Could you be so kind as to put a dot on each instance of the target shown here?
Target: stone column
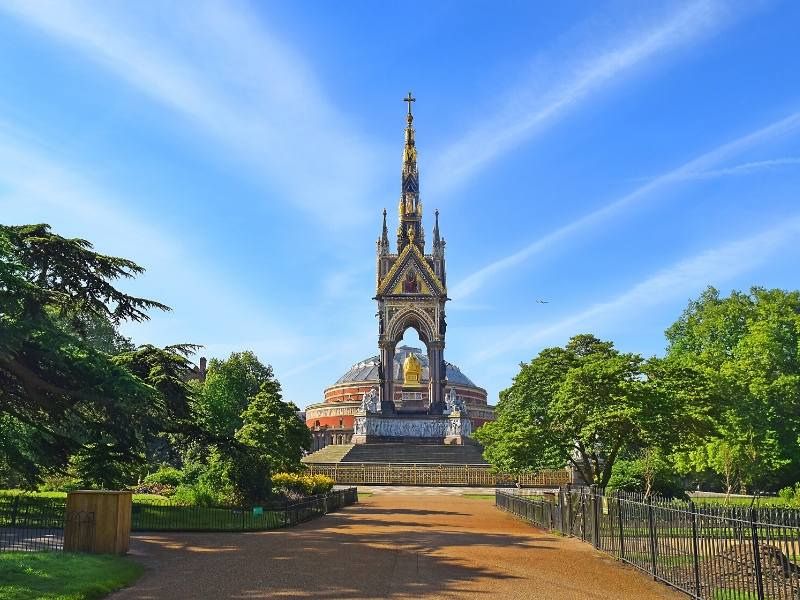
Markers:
(387, 383)
(437, 376)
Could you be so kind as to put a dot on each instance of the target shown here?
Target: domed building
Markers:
(331, 421)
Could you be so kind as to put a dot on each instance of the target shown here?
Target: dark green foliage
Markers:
(69, 384)
(272, 429)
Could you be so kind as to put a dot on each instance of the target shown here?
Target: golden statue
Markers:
(412, 370)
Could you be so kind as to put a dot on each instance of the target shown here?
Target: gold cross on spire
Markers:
(409, 99)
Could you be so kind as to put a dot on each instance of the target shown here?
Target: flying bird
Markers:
(543, 302)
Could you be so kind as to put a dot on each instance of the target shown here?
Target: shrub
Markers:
(59, 483)
(790, 495)
(197, 494)
(166, 475)
(159, 489)
(321, 484)
(301, 484)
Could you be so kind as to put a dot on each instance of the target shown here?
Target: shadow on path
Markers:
(393, 548)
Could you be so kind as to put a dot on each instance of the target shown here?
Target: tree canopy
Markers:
(750, 343)
(228, 387)
(58, 384)
(585, 403)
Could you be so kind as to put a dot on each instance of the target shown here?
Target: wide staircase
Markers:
(329, 454)
(399, 453)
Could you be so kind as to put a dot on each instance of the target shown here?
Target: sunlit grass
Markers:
(63, 575)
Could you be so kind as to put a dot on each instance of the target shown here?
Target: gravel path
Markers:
(394, 547)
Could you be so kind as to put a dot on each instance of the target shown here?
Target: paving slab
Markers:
(387, 546)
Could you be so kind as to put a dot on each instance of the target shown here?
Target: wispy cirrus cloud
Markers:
(233, 80)
(681, 280)
(746, 168)
(693, 169)
(38, 185)
(530, 107)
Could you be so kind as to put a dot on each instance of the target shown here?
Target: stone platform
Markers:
(450, 429)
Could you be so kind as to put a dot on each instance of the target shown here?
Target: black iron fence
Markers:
(35, 523)
(39, 525)
(166, 515)
(708, 552)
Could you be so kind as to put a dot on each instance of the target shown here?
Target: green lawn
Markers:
(760, 502)
(62, 575)
(733, 595)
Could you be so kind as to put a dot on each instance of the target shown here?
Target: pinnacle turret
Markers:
(383, 242)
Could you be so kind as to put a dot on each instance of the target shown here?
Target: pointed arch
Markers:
(411, 317)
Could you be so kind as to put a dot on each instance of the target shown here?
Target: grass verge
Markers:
(63, 575)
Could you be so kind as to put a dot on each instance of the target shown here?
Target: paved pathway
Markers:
(407, 490)
(395, 547)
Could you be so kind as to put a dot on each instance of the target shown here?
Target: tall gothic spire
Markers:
(410, 208)
(383, 242)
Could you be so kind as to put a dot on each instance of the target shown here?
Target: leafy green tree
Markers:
(585, 403)
(247, 430)
(227, 389)
(272, 428)
(750, 343)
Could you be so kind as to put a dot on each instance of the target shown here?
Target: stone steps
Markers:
(400, 453)
(329, 454)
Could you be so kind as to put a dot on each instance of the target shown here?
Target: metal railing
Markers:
(708, 552)
(34, 526)
(433, 474)
(166, 515)
(31, 523)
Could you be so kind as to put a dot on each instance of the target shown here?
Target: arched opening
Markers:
(415, 326)
(412, 395)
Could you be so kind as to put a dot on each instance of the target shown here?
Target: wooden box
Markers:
(111, 528)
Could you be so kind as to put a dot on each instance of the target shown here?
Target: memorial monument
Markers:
(404, 394)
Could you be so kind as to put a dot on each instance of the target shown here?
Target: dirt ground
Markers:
(387, 546)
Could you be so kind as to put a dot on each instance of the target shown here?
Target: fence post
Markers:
(756, 555)
(583, 515)
(652, 535)
(695, 551)
(595, 515)
(568, 496)
(621, 533)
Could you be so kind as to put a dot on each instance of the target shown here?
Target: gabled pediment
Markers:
(411, 275)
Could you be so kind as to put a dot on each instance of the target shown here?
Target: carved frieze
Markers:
(398, 427)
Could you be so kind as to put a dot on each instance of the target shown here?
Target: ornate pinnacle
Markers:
(384, 234)
(436, 239)
(409, 99)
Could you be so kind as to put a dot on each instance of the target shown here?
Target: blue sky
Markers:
(613, 159)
